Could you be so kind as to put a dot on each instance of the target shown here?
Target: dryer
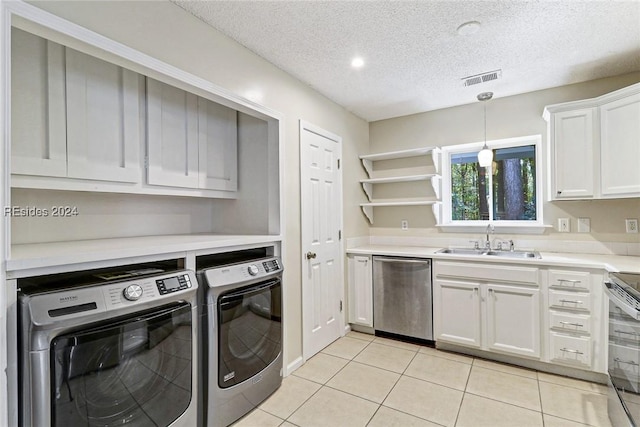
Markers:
(242, 335)
(113, 347)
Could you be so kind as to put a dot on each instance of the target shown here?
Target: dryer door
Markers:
(133, 370)
(249, 331)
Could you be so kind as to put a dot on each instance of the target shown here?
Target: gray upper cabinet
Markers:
(73, 115)
(77, 116)
(103, 123)
(38, 128)
(172, 126)
(192, 141)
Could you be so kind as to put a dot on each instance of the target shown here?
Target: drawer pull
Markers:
(577, 325)
(630, 362)
(617, 331)
(568, 350)
(570, 301)
(572, 281)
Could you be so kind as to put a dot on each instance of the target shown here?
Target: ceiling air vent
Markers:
(482, 78)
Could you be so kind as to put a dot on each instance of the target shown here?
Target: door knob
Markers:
(311, 255)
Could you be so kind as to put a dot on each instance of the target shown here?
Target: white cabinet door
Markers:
(103, 133)
(360, 291)
(513, 320)
(457, 312)
(218, 146)
(572, 141)
(620, 147)
(38, 132)
(172, 133)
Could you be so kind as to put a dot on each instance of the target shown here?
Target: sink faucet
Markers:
(487, 242)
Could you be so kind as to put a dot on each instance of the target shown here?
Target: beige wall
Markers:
(507, 117)
(165, 31)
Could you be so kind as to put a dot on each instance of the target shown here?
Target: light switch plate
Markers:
(564, 225)
(631, 225)
(584, 225)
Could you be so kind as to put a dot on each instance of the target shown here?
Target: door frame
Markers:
(309, 127)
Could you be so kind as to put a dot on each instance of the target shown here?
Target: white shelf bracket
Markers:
(368, 166)
(437, 211)
(436, 156)
(368, 189)
(436, 184)
(368, 212)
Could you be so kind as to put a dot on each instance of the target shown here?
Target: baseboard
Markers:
(293, 366)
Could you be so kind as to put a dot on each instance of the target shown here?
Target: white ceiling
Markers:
(415, 59)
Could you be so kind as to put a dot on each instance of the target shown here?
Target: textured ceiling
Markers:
(415, 59)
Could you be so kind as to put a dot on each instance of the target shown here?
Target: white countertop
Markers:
(608, 262)
(42, 255)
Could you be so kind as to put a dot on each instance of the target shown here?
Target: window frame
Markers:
(517, 226)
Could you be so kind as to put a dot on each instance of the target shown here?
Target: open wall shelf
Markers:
(434, 179)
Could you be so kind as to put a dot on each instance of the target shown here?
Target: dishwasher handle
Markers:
(402, 260)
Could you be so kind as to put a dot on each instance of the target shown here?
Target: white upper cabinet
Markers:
(103, 123)
(595, 146)
(38, 128)
(572, 150)
(193, 142)
(172, 126)
(620, 146)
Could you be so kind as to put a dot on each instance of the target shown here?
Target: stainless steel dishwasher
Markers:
(402, 297)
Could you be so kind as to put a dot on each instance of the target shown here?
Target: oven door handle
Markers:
(622, 305)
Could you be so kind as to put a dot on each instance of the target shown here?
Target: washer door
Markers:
(130, 371)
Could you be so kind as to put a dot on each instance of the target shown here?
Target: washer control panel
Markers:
(168, 285)
(132, 292)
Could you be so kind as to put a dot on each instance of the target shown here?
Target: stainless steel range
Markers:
(623, 290)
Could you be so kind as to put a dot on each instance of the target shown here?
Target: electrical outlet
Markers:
(564, 225)
(584, 225)
(404, 224)
(631, 225)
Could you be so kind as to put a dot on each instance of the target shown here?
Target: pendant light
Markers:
(485, 156)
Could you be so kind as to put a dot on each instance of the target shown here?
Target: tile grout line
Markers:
(464, 392)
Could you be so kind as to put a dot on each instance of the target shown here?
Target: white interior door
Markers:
(321, 210)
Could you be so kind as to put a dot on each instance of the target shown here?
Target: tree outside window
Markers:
(506, 191)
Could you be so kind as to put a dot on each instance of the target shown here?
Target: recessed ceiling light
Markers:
(468, 28)
(357, 62)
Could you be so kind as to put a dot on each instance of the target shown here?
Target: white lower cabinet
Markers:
(457, 312)
(497, 315)
(513, 320)
(360, 290)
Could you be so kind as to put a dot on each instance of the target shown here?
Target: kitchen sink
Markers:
(485, 252)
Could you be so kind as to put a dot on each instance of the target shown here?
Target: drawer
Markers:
(570, 350)
(576, 280)
(573, 300)
(490, 272)
(570, 322)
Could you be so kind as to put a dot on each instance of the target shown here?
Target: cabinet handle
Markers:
(559, 192)
(568, 350)
(630, 362)
(363, 260)
(570, 301)
(617, 331)
(578, 325)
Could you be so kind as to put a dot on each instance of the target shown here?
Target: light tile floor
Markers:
(362, 380)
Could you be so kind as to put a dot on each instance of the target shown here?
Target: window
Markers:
(506, 193)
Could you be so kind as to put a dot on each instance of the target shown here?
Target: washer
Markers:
(242, 336)
(109, 347)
